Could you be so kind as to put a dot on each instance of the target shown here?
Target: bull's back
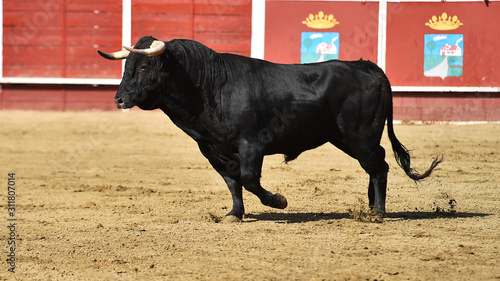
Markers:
(327, 97)
(299, 104)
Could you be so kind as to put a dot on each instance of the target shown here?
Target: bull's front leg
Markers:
(251, 159)
(238, 210)
(230, 173)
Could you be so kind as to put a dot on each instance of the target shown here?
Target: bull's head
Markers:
(142, 78)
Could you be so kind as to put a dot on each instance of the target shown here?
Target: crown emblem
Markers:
(444, 22)
(320, 21)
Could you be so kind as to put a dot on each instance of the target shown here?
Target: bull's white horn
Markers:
(157, 48)
(123, 54)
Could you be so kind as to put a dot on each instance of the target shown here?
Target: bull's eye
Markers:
(144, 68)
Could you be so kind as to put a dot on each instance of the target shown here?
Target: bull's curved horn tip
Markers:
(114, 56)
(104, 55)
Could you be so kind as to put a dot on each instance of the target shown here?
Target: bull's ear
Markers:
(123, 54)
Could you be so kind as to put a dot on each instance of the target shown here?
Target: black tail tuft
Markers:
(402, 154)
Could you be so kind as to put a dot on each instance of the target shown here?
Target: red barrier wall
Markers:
(358, 28)
(223, 25)
(445, 107)
(446, 72)
(56, 38)
(478, 33)
(58, 97)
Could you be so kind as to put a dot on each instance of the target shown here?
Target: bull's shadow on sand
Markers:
(311, 217)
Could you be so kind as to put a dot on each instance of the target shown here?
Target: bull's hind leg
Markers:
(372, 160)
(374, 164)
(251, 159)
(377, 192)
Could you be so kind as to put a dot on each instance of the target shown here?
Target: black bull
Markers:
(239, 109)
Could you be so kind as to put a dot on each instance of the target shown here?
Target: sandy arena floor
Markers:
(102, 195)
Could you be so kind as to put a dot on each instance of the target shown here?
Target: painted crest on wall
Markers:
(443, 53)
(319, 46)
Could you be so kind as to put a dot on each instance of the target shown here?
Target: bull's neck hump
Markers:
(201, 63)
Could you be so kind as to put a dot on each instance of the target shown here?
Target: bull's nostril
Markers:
(119, 103)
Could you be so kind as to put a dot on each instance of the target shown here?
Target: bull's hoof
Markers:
(230, 219)
(377, 211)
(280, 202)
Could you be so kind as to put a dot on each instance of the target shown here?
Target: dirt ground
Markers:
(108, 195)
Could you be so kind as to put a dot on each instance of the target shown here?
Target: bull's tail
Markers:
(402, 155)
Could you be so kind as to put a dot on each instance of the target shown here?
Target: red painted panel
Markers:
(405, 43)
(34, 70)
(236, 43)
(32, 97)
(160, 22)
(32, 20)
(32, 61)
(93, 5)
(223, 9)
(94, 37)
(16, 36)
(58, 97)
(91, 20)
(162, 7)
(91, 27)
(90, 97)
(94, 71)
(222, 23)
(225, 2)
(32, 54)
(357, 28)
(156, 2)
(32, 5)
(443, 107)
(37, 45)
